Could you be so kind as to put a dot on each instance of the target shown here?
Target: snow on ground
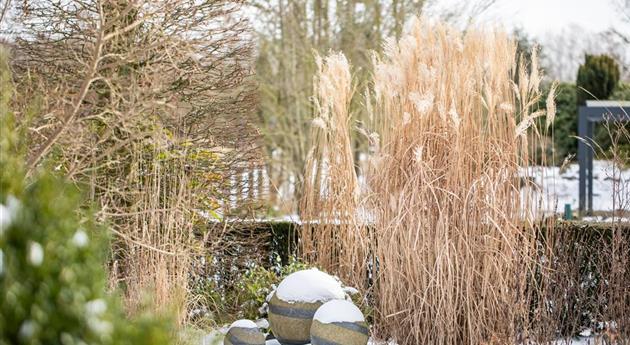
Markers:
(370, 342)
(578, 341)
(212, 340)
(575, 341)
(562, 187)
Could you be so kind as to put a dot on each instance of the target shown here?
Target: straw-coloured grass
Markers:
(330, 222)
(451, 240)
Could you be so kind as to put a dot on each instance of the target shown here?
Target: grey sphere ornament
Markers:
(244, 332)
(339, 322)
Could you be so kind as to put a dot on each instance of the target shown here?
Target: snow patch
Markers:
(309, 286)
(338, 311)
(262, 323)
(8, 212)
(35, 254)
(560, 187)
(349, 290)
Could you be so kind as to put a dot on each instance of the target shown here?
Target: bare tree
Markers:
(565, 50)
(291, 32)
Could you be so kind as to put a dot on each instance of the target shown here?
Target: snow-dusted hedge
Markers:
(586, 263)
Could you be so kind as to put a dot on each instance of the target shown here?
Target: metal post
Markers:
(582, 124)
(588, 116)
(589, 166)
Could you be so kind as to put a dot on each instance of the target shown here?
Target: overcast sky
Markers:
(538, 17)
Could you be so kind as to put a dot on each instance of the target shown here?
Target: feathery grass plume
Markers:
(454, 235)
(452, 239)
(329, 201)
(551, 104)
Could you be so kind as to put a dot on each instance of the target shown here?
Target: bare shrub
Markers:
(147, 104)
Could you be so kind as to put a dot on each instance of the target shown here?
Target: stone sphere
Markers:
(339, 322)
(244, 332)
(294, 303)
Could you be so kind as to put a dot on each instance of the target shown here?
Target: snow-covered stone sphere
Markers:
(294, 303)
(244, 332)
(339, 322)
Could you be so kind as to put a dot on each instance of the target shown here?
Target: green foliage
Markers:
(243, 299)
(622, 92)
(597, 78)
(257, 282)
(565, 124)
(52, 282)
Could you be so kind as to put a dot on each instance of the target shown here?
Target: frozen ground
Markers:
(576, 341)
(560, 188)
(371, 342)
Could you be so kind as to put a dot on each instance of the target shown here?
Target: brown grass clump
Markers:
(330, 197)
(156, 224)
(451, 237)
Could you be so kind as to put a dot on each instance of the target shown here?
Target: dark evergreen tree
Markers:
(597, 78)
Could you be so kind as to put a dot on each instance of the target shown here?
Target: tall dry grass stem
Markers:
(330, 201)
(451, 234)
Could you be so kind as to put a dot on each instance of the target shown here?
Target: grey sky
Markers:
(539, 17)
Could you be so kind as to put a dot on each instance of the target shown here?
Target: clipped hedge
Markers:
(588, 276)
(586, 268)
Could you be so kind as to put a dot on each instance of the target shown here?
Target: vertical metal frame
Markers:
(588, 116)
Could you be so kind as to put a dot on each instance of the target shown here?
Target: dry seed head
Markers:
(454, 116)
(422, 103)
(417, 154)
(506, 107)
(551, 104)
(425, 234)
(406, 118)
(319, 122)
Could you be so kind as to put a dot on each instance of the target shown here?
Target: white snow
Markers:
(578, 341)
(562, 187)
(95, 307)
(575, 341)
(35, 254)
(80, 238)
(349, 290)
(309, 286)
(8, 212)
(603, 219)
(370, 342)
(5, 218)
(262, 323)
(243, 324)
(213, 338)
(338, 311)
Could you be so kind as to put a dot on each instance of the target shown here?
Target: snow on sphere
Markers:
(309, 286)
(338, 311)
(296, 300)
(244, 324)
(339, 322)
(244, 332)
